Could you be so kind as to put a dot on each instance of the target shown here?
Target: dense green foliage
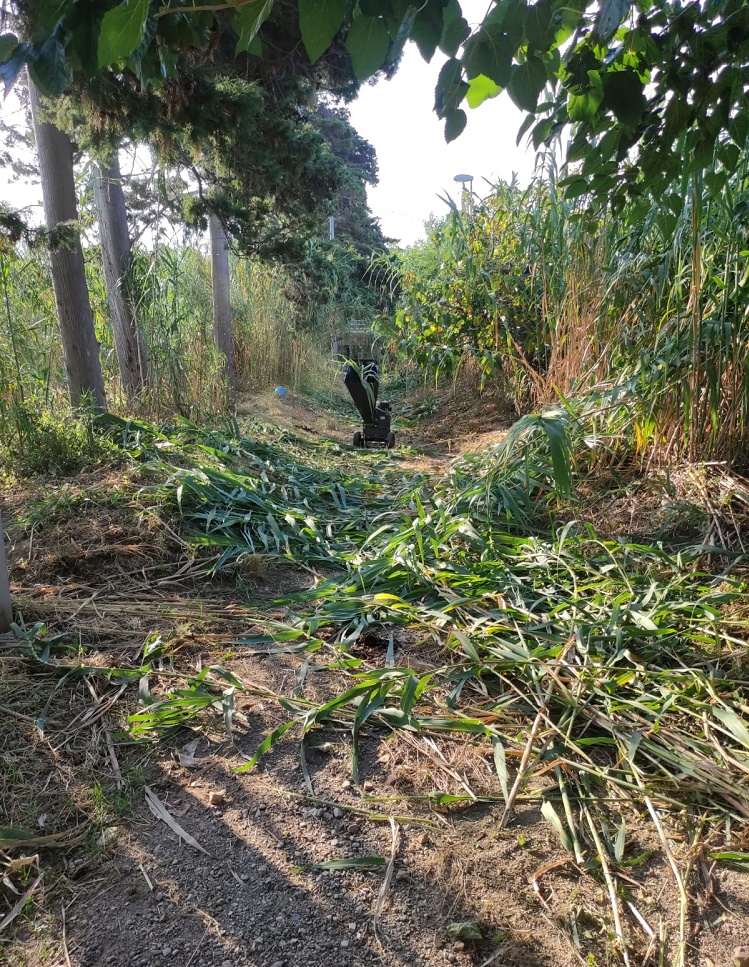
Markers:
(664, 75)
(555, 299)
(284, 322)
(245, 153)
(470, 288)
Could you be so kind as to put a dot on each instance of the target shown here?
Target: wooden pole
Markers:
(222, 329)
(116, 256)
(6, 610)
(79, 346)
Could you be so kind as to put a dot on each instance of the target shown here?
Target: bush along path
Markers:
(603, 682)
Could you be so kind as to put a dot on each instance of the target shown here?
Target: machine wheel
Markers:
(390, 442)
(358, 442)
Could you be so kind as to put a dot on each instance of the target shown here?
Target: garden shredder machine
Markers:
(362, 379)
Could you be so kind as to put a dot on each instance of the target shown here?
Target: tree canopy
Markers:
(665, 75)
(247, 131)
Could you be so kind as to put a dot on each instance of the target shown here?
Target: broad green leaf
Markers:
(255, 47)
(455, 123)
(611, 13)
(678, 117)
(49, 70)
(575, 187)
(583, 107)
(122, 31)
(12, 60)
(526, 83)
(455, 29)
(738, 128)
(367, 41)
(729, 155)
(450, 88)
(624, 95)
(319, 22)
(489, 55)
(539, 25)
(426, 29)
(8, 46)
(50, 12)
(480, 89)
(249, 18)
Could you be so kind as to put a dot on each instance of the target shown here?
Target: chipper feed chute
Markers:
(362, 379)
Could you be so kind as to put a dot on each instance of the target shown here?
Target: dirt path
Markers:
(427, 885)
(433, 428)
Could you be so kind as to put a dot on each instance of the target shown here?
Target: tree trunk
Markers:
(6, 610)
(115, 253)
(222, 333)
(80, 348)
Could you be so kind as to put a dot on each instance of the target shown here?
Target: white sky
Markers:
(416, 165)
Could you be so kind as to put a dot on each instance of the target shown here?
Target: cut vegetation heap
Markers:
(606, 680)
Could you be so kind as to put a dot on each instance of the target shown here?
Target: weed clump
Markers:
(45, 444)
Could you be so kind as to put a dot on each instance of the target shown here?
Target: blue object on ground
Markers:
(280, 391)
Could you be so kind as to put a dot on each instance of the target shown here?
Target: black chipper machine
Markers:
(362, 379)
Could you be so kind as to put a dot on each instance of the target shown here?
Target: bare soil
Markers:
(119, 886)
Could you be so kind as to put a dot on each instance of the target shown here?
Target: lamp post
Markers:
(467, 191)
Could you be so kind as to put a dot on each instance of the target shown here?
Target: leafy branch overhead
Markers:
(666, 75)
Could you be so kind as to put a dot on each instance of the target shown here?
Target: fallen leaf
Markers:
(7, 920)
(160, 811)
(187, 757)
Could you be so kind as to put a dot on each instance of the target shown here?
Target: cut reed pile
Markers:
(613, 670)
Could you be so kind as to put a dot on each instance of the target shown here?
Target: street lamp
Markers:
(465, 180)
